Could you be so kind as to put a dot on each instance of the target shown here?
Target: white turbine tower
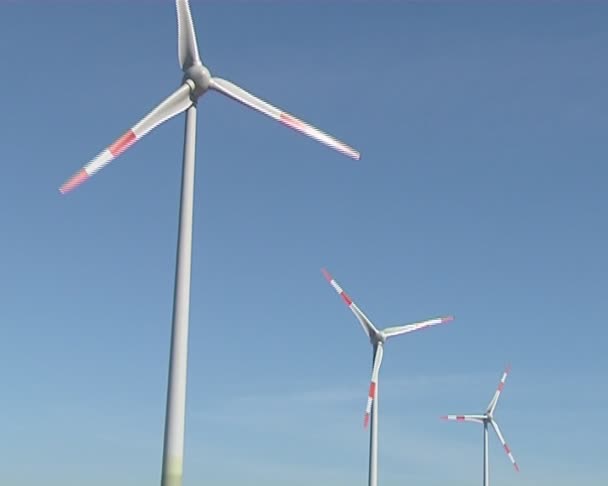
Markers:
(196, 81)
(485, 419)
(377, 338)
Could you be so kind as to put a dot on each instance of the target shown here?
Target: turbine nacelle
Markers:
(377, 337)
(200, 77)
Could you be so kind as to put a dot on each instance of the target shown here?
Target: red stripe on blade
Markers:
(122, 144)
(372, 390)
(74, 181)
(366, 420)
(346, 298)
(292, 122)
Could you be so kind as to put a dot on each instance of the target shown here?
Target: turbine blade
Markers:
(366, 324)
(187, 48)
(242, 96)
(504, 444)
(464, 418)
(398, 330)
(178, 102)
(374, 382)
(501, 385)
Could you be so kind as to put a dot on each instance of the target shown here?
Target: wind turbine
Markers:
(377, 338)
(485, 419)
(196, 81)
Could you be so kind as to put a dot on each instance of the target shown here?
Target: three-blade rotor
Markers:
(197, 80)
(488, 417)
(378, 337)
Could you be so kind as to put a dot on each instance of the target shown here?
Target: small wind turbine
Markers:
(377, 338)
(485, 419)
(196, 81)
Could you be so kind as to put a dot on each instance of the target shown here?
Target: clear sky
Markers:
(480, 193)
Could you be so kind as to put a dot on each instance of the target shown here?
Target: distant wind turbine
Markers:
(196, 81)
(485, 419)
(377, 338)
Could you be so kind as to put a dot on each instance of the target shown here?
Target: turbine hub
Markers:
(378, 338)
(200, 76)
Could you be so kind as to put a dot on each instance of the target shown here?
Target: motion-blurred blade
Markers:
(187, 47)
(464, 418)
(178, 102)
(374, 383)
(242, 96)
(504, 444)
(501, 385)
(398, 330)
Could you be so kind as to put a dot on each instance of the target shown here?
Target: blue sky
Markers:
(480, 193)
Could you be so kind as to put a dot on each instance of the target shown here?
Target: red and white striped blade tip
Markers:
(72, 183)
(458, 418)
(326, 274)
(447, 319)
(516, 467)
(366, 420)
(303, 127)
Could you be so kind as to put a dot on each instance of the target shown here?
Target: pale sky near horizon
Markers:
(480, 193)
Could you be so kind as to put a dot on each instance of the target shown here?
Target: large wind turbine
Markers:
(485, 419)
(377, 338)
(196, 81)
